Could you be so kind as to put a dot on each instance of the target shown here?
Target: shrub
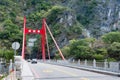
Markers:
(114, 51)
(98, 56)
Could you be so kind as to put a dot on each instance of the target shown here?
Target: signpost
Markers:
(15, 46)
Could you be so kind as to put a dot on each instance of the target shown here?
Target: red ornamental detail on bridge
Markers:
(42, 32)
(29, 31)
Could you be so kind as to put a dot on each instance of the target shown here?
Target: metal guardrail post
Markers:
(85, 62)
(105, 64)
(73, 60)
(94, 63)
(79, 62)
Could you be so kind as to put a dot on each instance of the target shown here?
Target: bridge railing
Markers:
(22, 70)
(99, 65)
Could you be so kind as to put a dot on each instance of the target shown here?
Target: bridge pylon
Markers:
(41, 32)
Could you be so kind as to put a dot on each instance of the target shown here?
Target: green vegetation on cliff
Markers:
(67, 19)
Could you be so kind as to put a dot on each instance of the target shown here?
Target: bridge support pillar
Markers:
(42, 31)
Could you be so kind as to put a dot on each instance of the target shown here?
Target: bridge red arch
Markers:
(41, 32)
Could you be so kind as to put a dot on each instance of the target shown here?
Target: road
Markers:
(44, 71)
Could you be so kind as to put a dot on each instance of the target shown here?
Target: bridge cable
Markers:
(60, 52)
(47, 47)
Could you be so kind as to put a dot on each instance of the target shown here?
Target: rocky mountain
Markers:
(97, 16)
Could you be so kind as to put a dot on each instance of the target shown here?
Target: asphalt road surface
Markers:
(44, 71)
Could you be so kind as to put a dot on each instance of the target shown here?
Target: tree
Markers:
(66, 51)
(111, 37)
(100, 53)
(81, 49)
(114, 51)
(10, 33)
(53, 13)
(8, 54)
